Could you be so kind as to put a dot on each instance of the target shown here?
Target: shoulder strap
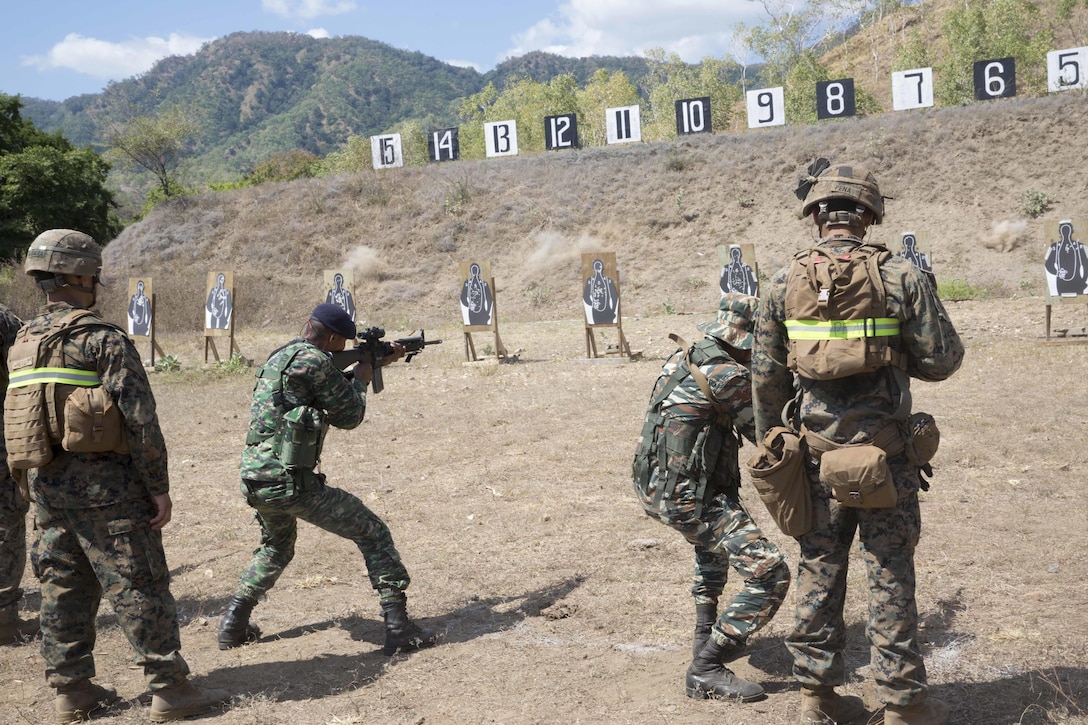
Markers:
(276, 371)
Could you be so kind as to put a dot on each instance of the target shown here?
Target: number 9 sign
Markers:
(766, 107)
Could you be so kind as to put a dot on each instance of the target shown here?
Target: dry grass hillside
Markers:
(957, 176)
(507, 487)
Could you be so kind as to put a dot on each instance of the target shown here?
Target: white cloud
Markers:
(318, 33)
(112, 61)
(693, 29)
(307, 9)
(465, 64)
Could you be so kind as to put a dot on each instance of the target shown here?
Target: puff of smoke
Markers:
(554, 252)
(1005, 235)
(364, 261)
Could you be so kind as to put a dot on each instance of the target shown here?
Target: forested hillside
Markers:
(256, 94)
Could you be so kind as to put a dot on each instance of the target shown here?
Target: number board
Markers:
(1066, 69)
(561, 132)
(912, 89)
(501, 138)
(443, 145)
(385, 151)
(766, 107)
(995, 78)
(835, 99)
(693, 116)
(1065, 260)
(623, 124)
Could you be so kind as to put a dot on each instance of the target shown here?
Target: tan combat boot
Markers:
(16, 631)
(929, 711)
(182, 700)
(827, 707)
(77, 700)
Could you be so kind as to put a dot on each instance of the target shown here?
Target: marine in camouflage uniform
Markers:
(847, 411)
(302, 373)
(686, 475)
(13, 508)
(99, 515)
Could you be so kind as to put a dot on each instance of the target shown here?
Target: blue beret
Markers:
(334, 318)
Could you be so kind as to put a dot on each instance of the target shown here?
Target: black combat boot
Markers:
(401, 633)
(705, 617)
(709, 678)
(234, 627)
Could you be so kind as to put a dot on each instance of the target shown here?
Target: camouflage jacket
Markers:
(310, 379)
(855, 408)
(9, 325)
(79, 480)
(686, 407)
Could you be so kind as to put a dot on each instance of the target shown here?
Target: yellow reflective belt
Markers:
(65, 376)
(842, 329)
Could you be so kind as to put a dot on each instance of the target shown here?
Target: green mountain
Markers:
(256, 94)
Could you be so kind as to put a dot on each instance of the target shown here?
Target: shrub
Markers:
(956, 290)
(1034, 203)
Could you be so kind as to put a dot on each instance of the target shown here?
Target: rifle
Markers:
(371, 348)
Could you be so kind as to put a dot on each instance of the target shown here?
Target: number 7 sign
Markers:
(912, 89)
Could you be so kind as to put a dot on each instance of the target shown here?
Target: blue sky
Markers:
(61, 48)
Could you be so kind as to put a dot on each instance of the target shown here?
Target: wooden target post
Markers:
(141, 314)
(1065, 266)
(220, 306)
(478, 306)
(601, 299)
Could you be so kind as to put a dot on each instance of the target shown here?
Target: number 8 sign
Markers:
(835, 99)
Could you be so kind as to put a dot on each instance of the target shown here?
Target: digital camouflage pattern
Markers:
(13, 506)
(92, 534)
(78, 480)
(854, 410)
(281, 498)
(723, 533)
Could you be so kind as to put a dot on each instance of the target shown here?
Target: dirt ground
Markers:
(507, 489)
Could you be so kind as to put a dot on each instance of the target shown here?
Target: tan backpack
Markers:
(836, 313)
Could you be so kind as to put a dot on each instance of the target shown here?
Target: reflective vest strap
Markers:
(64, 376)
(842, 329)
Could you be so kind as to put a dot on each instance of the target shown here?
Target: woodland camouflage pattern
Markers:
(92, 534)
(853, 410)
(723, 534)
(13, 507)
(310, 379)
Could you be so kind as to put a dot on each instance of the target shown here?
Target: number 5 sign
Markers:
(1065, 69)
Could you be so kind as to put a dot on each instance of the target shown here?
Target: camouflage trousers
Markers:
(81, 554)
(724, 535)
(13, 508)
(329, 508)
(887, 539)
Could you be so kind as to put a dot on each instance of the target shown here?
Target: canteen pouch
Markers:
(925, 438)
(859, 476)
(778, 474)
(92, 422)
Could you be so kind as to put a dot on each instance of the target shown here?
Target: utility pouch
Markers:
(778, 474)
(859, 476)
(302, 432)
(92, 422)
(26, 429)
(925, 438)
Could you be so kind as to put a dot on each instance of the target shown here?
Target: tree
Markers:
(605, 89)
(671, 79)
(154, 143)
(46, 183)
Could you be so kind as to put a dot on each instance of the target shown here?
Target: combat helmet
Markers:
(57, 252)
(824, 182)
(735, 321)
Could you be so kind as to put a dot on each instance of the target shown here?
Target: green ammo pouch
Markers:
(778, 474)
(302, 432)
(924, 439)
